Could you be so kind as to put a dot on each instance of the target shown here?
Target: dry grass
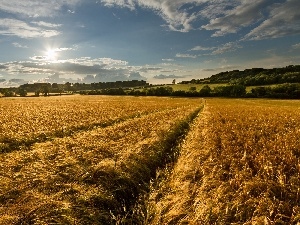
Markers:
(93, 176)
(239, 165)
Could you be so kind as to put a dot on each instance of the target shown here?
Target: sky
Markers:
(88, 41)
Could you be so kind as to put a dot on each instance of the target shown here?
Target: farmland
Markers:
(149, 160)
(238, 165)
(28, 120)
(92, 175)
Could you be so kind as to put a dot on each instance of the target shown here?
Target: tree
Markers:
(22, 92)
(259, 91)
(237, 91)
(9, 93)
(205, 91)
(230, 91)
(46, 91)
(37, 92)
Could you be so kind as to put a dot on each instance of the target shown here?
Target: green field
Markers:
(187, 87)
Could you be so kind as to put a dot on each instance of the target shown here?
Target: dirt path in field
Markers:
(172, 198)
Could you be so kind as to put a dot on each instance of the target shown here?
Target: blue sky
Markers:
(154, 40)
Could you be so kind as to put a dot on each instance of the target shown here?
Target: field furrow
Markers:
(172, 197)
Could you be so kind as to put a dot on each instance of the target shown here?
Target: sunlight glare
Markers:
(51, 54)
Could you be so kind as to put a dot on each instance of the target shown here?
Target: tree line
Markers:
(289, 91)
(44, 89)
(253, 77)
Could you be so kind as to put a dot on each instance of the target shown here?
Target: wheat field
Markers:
(239, 165)
(149, 160)
(93, 175)
(25, 121)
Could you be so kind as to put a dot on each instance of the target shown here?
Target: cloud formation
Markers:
(168, 60)
(36, 8)
(296, 46)
(243, 15)
(228, 47)
(18, 45)
(284, 20)
(179, 55)
(171, 11)
(180, 15)
(201, 48)
(45, 24)
(14, 27)
(271, 20)
(85, 69)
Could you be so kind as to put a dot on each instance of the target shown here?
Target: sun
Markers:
(51, 54)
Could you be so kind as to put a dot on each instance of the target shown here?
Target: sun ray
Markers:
(51, 54)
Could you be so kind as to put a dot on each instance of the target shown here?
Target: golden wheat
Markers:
(28, 120)
(79, 179)
(239, 165)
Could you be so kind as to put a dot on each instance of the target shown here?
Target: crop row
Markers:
(91, 177)
(25, 121)
(240, 164)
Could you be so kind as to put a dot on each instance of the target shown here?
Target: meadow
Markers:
(149, 160)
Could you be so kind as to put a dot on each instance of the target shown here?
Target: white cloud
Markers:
(296, 46)
(179, 55)
(122, 3)
(36, 8)
(18, 45)
(228, 47)
(243, 15)
(218, 8)
(170, 10)
(225, 17)
(98, 70)
(45, 24)
(63, 49)
(168, 60)
(85, 65)
(147, 68)
(201, 48)
(38, 58)
(13, 27)
(86, 69)
(284, 20)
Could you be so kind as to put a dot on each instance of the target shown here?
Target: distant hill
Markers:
(253, 77)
